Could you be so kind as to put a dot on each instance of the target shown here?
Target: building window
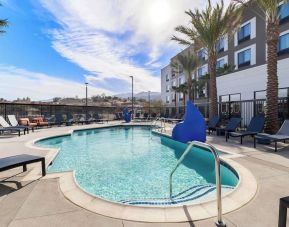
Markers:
(221, 45)
(202, 71)
(284, 13)
(202, 54)
(167, 99)
(244, 33)
(174, 83)
(173, 98)
(167, 77)
(283, 46)
(244, 58)
(181, 96)
(181, 81)
(220, 63)
(167, 88)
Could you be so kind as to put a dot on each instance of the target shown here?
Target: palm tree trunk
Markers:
(190, 90)
(184, 99)
(212, 61)
(271, 113)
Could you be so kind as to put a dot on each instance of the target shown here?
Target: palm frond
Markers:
(209, 25)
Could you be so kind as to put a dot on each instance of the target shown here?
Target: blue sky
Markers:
(53, 46)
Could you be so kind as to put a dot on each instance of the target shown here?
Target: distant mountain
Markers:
(142, 95)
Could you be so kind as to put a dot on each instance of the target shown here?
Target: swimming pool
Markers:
(131, 165)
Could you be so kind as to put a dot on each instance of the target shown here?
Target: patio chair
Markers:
(69, 119)
(117, 116)
(49, 119)
(213, 124)
(40, 122)
(231, 126)
(13, 121)
(99, 118)
(59, 120)
(256, 126)
(7, 128)
(91, 118)
(81, 119)
(281, 135)
(26, 122)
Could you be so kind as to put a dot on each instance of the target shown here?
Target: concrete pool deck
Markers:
(28, 202)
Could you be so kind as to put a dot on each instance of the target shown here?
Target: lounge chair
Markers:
(26, 122)
(117, 116)
(13, 121)
(59, 120)
(81, 119)
(69, 119)
(7, 128)
(281, 135)
(231, 126)
(49, 119)
(40, 122)
(256, 126)
(99, 118)
(213, 124)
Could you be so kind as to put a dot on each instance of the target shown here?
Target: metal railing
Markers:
(213, 150)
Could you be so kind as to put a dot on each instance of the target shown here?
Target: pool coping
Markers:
(241, 195)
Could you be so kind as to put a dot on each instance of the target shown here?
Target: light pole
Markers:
(132, 96)
(149, 94)
(86, 104)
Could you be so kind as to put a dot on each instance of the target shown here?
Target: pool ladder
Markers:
(213, 150)
(154, 124)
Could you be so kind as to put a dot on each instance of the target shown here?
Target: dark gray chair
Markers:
(281, 135)
(213, 124)
(231, 126)
(256, 126)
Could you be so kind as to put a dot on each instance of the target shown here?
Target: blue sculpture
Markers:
(192, 128)
(126, 115)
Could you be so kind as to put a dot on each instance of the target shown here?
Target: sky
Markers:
(52, 47)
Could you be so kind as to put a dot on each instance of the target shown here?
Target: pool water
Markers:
(132, 165)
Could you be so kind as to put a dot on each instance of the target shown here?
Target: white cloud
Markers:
(105, 37)
(16, 82)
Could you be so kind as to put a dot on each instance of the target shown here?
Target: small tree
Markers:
(190, 63)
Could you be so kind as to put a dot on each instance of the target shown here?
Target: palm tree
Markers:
(270, 14)
(175, 89)
(206, 28)
(225, 69)
(189, 62)
(183, 88)
(3, 23)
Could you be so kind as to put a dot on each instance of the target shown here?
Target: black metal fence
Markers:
(21, 110)
(245, 109)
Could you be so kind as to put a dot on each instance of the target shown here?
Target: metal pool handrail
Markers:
(213, 150)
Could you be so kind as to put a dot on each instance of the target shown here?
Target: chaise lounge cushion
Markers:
(39, 121)
(26, 122)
